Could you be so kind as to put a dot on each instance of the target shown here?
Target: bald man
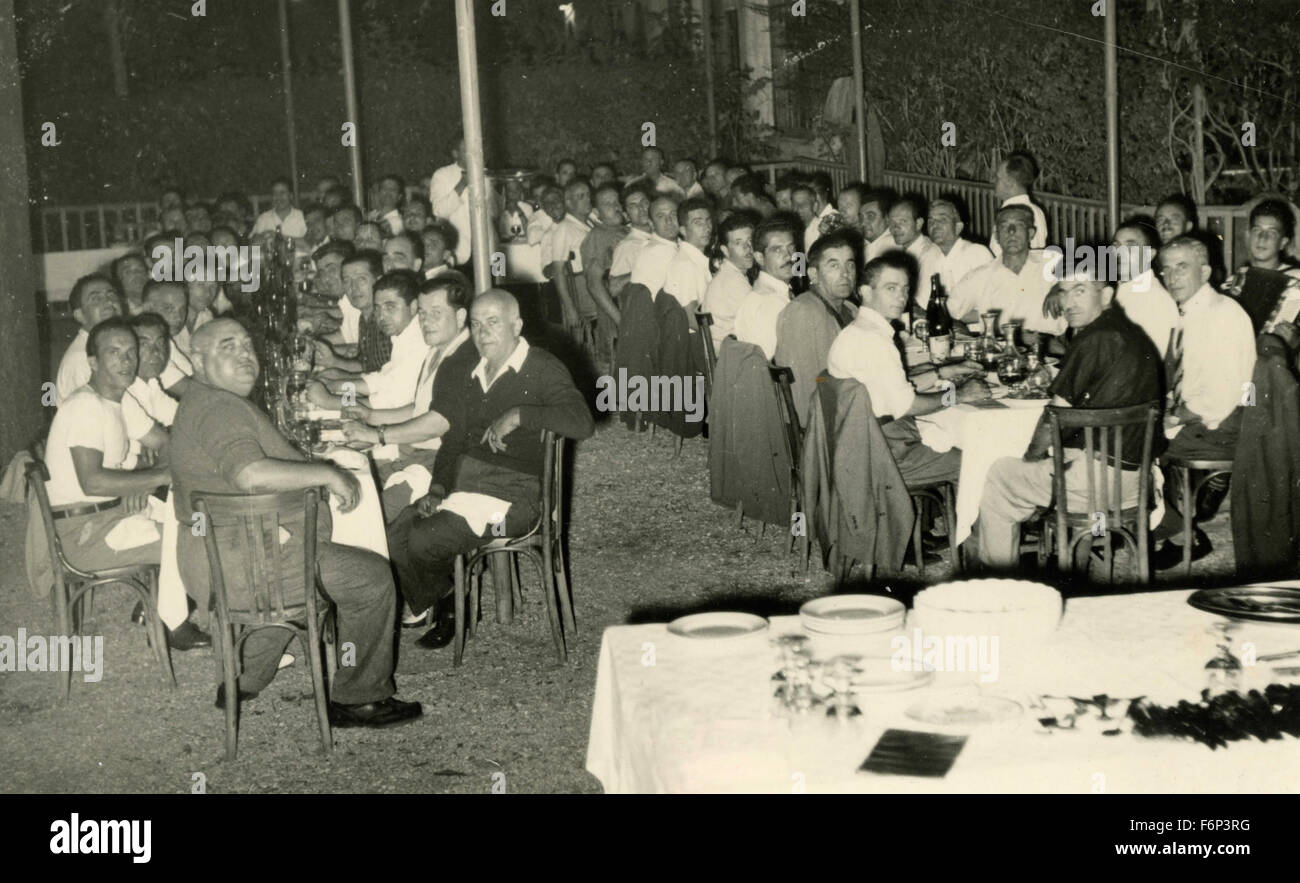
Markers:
(221, 443)
(487, 476)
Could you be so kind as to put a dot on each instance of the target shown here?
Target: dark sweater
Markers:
(543, 392)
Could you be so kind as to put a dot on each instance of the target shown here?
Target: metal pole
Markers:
(350, 94)
(1112, 119)
(286, 66)
(859, 101)
(469, 107)
(706, 24)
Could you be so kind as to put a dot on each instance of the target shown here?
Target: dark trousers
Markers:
(919, 465)
(424, 549)
(1193, 442)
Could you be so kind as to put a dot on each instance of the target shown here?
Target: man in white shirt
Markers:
(147, 409)
(403, 251)
(686, 175)
(416, 213)
(1016, 283)
(94, 298)
(281, 216)
(447, 195)
(439, 240)
(394, 384)
(652, 173)
(1175, 216)
(552, 211)
(944, 227)
(388, 211)
(651, 267)
(812, 203)
(170, 300)
(562, 247)
(1209, 365)
(865, 351)
(688, 274)
(849, 204)
(730, 286)
(873, 219)
(905, 225)
(774, 250)
(636, 205)
(1012, 182)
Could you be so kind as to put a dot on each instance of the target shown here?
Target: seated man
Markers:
(96, 483)
(403, 251)
(418, 427)
(651, 267)
(1269, 285)
(636, 205)
(131, 273)
(394, 384)
(221, 443)
(597, 253)
(688, 274)
(906, 223)
(146, 407)
(562, 248)
(865, 351)
(491, 458)
(359, 344)
(1110, 363)
(730, 285)
(1209, 366)
(439, 239)
(756, 315)
(94, 298)
(170, 300)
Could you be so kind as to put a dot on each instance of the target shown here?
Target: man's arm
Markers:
(269, 476)
(568, 303)
(563, 410)
(426, 427)
(97, 481)
(599, 292)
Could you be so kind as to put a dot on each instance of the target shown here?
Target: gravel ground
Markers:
(647, 545)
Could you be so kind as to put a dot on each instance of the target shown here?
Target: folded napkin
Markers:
(134, 531)
(479, 510)
(416, 476)
(385, 453)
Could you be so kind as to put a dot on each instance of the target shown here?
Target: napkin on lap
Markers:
(384, 453)
(132, 532)
(418, 477)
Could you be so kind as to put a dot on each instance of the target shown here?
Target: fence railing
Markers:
(86, 227)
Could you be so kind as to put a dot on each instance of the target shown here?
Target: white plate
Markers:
(882, 674)
(852, 614)
(717, 626)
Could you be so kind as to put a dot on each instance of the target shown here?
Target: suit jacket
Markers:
(805, 331)
(748, 460)
(677, 359)
(637, 350)
(1266, 470)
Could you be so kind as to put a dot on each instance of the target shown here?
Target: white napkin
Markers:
(479, 510)
(139, 529)
(384, 453)
(418, 477)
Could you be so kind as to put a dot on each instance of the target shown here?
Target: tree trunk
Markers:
(1198, 144)
(113, 25)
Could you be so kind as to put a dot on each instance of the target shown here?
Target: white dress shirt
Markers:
(178, 367)
(929, 258)
(864, 350)
(627, 251)
(688, 275)
(424, 386)
(881, 244)
(563, 240)
(1151, 308)
(74, 368)
(85, 419)
(993, 286)
(394, 384)
(1040, 224)
(145, 403)
(452, 206)
(350, 325)
(722, 300)
(757, 314)
(1218, 355)
(651, 267)
(813, 231)
(963, 257)
(539, 225)
(293, 225)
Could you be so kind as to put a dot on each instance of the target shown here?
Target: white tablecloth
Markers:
(668, 718)
(984, 435)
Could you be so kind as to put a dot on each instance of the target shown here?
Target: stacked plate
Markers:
(852, 615)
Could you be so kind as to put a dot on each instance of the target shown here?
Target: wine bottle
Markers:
(938, 321)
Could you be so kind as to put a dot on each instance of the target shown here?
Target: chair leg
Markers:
(562, 584)
(546, 572)
(318, 684)
(475, 611)
(232, 689)
(458, 642)
(153, 622)
(1189, 512)
(950, 522)
(59, 598)
(331, 637)
(918, 508)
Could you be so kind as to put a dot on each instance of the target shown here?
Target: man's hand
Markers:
(974, 391)
(962, 371)
(318, 395)
(135, 503)
(356, 431)
(500, 428)
(325, 357)
(1053, 306)
(344, 485)
(358, 412)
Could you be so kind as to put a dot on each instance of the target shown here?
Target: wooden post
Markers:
(24, 366)
(286, 67)
(1112, 117)
(706, 24)
(467, 51)
(350, 94)
(859, 88)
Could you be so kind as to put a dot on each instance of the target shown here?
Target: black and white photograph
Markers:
(650, 397)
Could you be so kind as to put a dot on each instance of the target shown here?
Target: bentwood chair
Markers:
(1191, 493)
(74, 588)
(256, 585)
(704, 322)
(586, 328)
(543, 545)
(783, 386)
(1075, 534)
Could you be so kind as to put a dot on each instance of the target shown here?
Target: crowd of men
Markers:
(439, 380)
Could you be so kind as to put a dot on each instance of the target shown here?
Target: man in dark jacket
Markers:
(490, 460)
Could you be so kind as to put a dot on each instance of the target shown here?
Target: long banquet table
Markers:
(669, 718)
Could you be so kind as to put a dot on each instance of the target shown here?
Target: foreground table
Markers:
(668, 718)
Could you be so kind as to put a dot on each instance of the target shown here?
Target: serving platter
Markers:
(1257, 603)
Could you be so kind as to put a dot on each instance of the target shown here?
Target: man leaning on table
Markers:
(865, 351)
(490, 460)
(1110, 363)
(221, 443)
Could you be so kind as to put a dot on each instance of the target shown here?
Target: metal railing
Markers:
(86, 227)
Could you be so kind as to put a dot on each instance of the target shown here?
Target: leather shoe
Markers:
(244, 696)
(442, 633)
(384, 713)
(1171, 555)
(421, 621)
(188, 637)
(1212, 497)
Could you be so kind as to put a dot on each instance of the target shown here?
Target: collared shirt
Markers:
(428, 374)
(813, 231)
(538, 226)
(865, 351)
(563, 242)
(515, 361)
(881, 244)
(452, 206)
(394, 385)
(144, 404)
(688, 275)
(651, 268)
(1150, 306)
(430, 272)
(393, 218)
(374, 347)
(994, 286)
(627, 251)
(757, 314)
(929, 257)
(1218, 344)
(963, 257)
(1040, 224)
(350, 327)
(74, 368)
(293, 225)
(85, 419)
(722, 300)
(178, 367)
(182, 341)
